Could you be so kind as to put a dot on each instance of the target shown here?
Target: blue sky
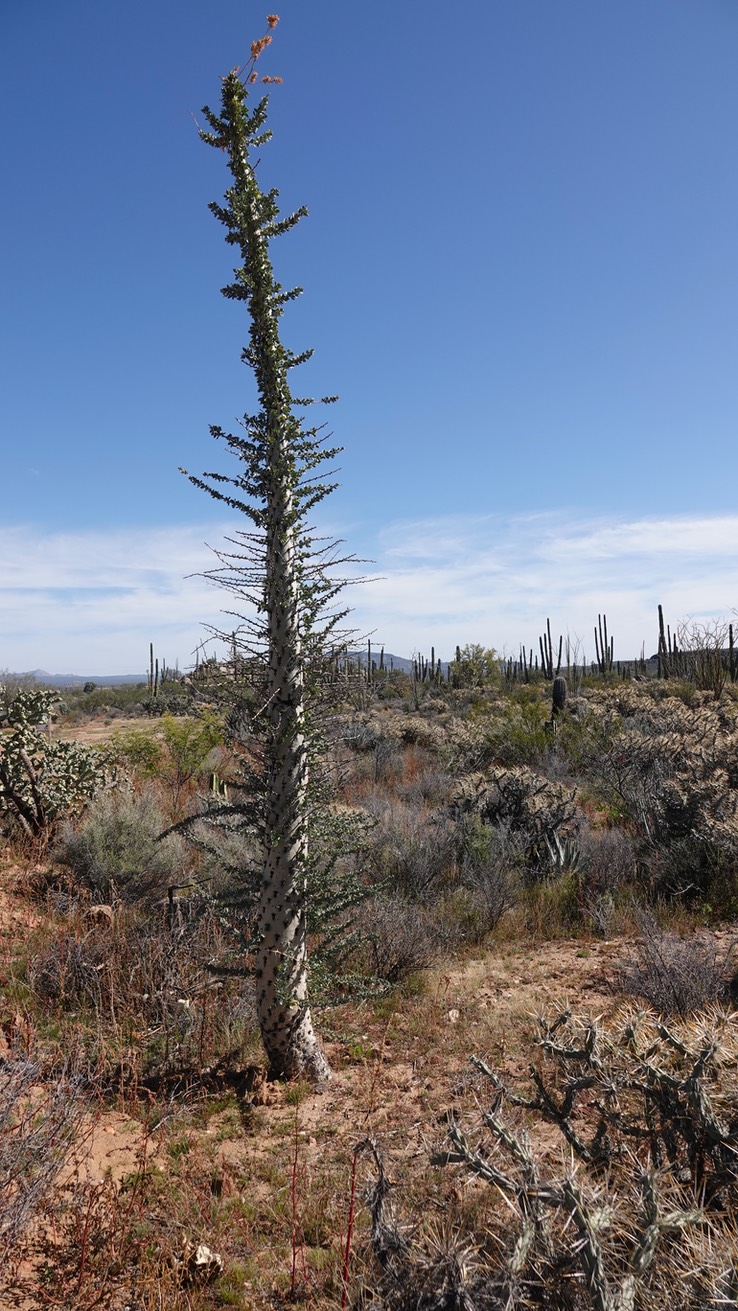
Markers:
(520, 273)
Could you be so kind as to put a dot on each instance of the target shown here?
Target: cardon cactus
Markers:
(559, 695)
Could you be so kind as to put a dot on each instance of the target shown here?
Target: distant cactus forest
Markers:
(701, 654)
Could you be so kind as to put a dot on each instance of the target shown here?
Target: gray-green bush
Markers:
(115, 852)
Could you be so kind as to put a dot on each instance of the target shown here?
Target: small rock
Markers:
(198, 1264)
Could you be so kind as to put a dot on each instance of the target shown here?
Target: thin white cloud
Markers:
(91, 602)
(495, 581)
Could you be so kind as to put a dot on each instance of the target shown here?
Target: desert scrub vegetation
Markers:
(179, 753)
(667, 772)
(134, 984)
(116, 852)
(630, 797)
(41, 1122)
(678, 974)
(631, 801)
(150, 993)
(140, 1002)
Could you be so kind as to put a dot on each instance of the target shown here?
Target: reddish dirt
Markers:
(410, 1065)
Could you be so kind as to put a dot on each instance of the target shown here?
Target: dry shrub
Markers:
(422, 780)
(96, 1246)
(143, 998)
(608, 858)
(40, 1120)
(677, 975)
(410, 847)
(361, 735)
(490, 861)
(398, 938)
(70, 971)
(607, 866)
(115, 850)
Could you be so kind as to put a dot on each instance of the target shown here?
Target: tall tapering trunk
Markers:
(275, 489)
(281, 966)
(281, 958)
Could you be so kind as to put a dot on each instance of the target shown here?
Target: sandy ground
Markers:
(95, 732)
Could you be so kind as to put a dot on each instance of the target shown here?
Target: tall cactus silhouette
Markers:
(281, 571)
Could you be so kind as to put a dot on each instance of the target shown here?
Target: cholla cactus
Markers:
(670, 769)
(42, 781)
(638, 1212)
(540, 811)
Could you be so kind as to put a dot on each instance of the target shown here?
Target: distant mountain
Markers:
(79, 680)
(392, 661)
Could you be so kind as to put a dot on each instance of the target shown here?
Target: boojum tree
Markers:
(283, 571)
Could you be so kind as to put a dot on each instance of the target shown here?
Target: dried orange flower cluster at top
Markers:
(257, 48)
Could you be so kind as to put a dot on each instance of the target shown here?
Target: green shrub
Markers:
(517, 733)
(176, 751)
(138, 750)
(88, 700)
(187, 745)
(115, 851)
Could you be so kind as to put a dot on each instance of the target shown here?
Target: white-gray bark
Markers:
(281, 968)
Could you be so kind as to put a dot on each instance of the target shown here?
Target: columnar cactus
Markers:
(604, 647)
(546, 645)
(558, 696)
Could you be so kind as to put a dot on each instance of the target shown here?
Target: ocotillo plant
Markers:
(281, 574)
